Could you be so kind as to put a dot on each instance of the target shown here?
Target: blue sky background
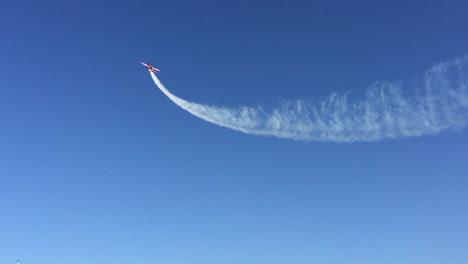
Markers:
(98, 166)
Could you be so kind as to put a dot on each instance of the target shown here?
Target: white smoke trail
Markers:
(385, 112)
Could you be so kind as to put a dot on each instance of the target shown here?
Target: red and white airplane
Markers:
(150, 67)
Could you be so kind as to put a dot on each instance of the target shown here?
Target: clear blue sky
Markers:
(98, 166)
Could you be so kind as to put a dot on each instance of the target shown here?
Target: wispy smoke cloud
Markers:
(386, 112)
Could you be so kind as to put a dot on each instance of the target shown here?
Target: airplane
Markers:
(150, 67)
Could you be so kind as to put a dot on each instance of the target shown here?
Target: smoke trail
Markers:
(384, 113)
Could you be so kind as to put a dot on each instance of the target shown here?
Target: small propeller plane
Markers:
(150, 67)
